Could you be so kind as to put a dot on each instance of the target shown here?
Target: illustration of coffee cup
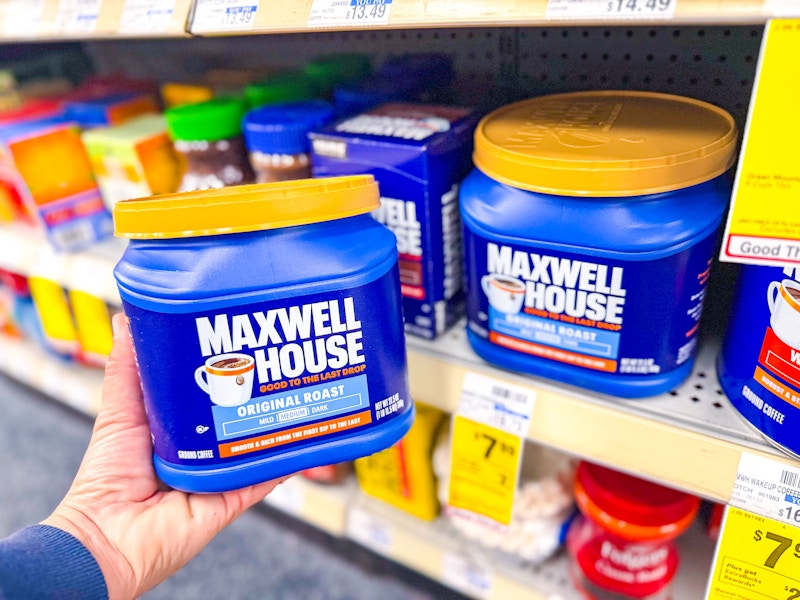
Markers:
(227, 378)
(784, 305)
(505, 294)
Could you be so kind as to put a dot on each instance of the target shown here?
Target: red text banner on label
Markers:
(287, 436)
(572, 358)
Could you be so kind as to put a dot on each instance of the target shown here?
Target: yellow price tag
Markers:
(756, 557)
(484, 469)
(764, 223)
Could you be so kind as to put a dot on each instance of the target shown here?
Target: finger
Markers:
(122, 393)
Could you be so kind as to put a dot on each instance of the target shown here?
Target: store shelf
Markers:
(48, 20)
(287, 17)
(72, 384)
(24, 250)
(690, 438)
(437, 551)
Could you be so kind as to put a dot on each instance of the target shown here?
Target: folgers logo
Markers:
(577, 288)
(290, 341)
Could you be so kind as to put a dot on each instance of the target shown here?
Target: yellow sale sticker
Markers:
(764, 221)
(484, 469)
(756, 557)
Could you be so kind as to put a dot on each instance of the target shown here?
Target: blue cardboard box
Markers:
(418, 154)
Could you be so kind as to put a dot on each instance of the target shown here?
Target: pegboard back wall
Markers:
(494, 65)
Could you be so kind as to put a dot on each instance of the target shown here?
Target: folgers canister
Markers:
(267, 326)
(759, 366)
(589, 228)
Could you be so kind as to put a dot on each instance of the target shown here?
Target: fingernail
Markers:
(118, 325)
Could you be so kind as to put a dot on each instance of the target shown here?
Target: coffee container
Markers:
(267, 326)
(589, 235)
(759, 366)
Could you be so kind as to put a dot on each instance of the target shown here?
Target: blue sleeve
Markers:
(43, 562)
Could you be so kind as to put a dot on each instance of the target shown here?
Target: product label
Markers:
(613, 316)
(228, 384)
(223, 15)
(146, 16)
(770, 399)
(610, 9)
(77, 16)
(613, 564)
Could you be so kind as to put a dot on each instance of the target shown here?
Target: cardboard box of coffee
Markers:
(418, 154)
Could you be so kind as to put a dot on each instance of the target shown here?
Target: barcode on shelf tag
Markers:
(610, 9)
(223, 15)
(466, 575)
(22, 18)
(352, 13)
(496, 403)
(767, 487)
(77, 16)
(288, 497)
(146, 16)
(370, 530)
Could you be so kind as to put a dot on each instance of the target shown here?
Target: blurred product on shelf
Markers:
(113, 109)
(208, 135)
(22, 318)
(333, 69)
(101, 86)
(277, 138)
(403, 474)
(178, 94)
(418, 154)
(29, 110)
(273, 312)
(133, 160)
(9, 92)
(289, 86)
(543, 504)
(93, 326)
(590, 224)
(360, 96)
(759, 366)
(433, 72)
(329, 474)
(622, 547)
(46, 173)
(55, 316)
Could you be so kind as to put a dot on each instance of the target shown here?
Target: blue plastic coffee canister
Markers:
(267, 327)
(759, 366)
(590, 223)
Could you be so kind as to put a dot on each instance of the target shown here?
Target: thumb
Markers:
(122, 402)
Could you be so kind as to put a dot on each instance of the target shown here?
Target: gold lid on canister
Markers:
(605, 143)
(246, 208)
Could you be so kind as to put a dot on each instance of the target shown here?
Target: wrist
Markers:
(116, 570)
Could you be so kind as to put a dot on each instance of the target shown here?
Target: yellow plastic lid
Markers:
(606, 143)
(246, 208)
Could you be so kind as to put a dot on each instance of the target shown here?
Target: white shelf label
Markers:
(768, 488)
(77, 16)
(466, 576)
(783, 8)
(352, 13)
(610, 9)
(496, 403)
(22, 18)
(224, 15)
(370, 531)
(146, 16)
(288, 497)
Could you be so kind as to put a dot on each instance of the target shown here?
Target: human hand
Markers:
(139, 532)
